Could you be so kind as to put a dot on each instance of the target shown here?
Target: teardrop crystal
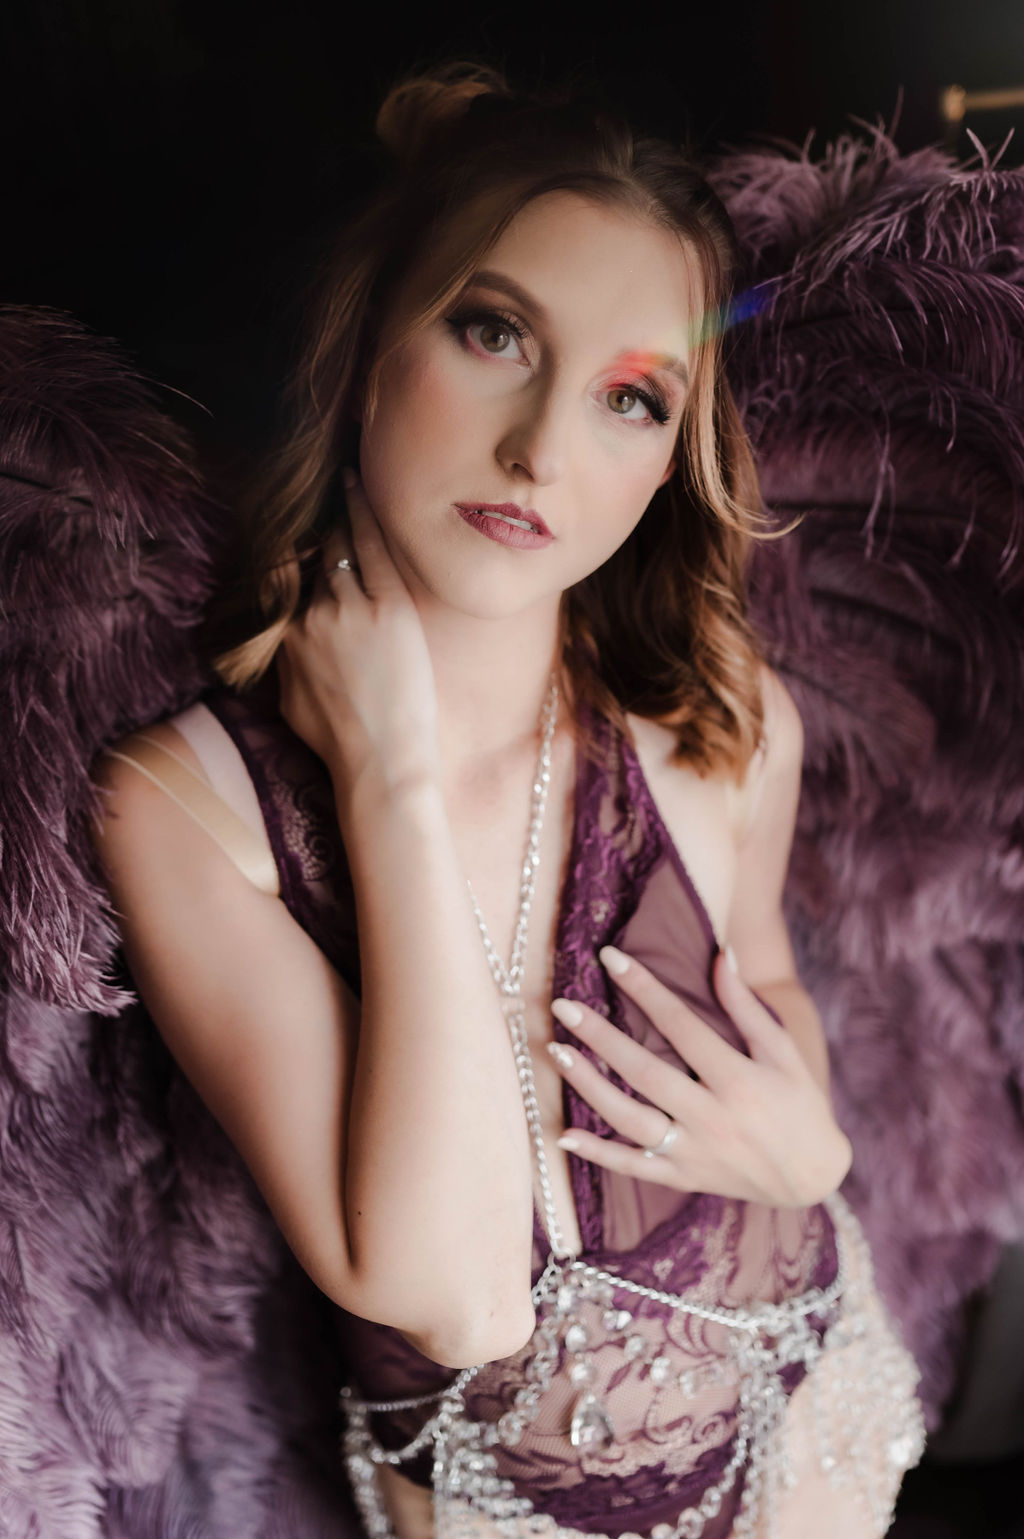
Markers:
(591, 1425)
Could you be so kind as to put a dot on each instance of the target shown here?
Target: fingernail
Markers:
(562, 1055)
(568, 1142)
(613, 959)
(730, 960)
(568, 1012)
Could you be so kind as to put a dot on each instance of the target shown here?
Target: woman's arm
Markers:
(756, 929)
(438, 1177)
(390, 1148)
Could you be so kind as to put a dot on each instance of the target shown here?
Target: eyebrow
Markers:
(633, 358)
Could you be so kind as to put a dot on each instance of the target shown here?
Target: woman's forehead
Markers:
(573, 260)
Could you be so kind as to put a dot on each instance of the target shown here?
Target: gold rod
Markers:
(956, 101)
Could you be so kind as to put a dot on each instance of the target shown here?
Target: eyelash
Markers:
(651, 396)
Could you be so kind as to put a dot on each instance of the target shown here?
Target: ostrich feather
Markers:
(883, 388)
(166, 1368)
(108, 544)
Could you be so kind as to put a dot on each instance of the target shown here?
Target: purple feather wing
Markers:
(107, 547)
(883, 386)
(166, 1368)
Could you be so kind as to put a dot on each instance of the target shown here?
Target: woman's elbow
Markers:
(454, 1333)
(464, 1342)
(456, 1315)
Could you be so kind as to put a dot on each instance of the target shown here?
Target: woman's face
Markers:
(555, 382)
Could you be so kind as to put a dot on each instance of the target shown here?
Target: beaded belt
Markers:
(875, 1403)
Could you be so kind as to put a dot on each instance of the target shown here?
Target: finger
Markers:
(624, 1114)
(697, 1043)
(767, 1038)
(377, 570)
(635, 1064)
(622, 1159)
(338, 547)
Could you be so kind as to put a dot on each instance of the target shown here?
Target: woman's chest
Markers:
(699, 814)
(593, 854)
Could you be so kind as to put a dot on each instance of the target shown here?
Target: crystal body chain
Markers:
(472, 1499)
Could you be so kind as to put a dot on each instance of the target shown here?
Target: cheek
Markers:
(626, 487)
(418, 412)
(393, 440)
(617, 497)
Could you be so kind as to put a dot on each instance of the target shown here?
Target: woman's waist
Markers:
(714, 1255)
(617, 1353)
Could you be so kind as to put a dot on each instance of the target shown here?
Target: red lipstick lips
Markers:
(492, 519)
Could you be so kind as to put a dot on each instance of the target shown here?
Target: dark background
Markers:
(172, 167)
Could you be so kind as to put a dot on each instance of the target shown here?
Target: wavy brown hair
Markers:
(661, 627)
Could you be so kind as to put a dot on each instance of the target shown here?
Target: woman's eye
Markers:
(625, 399)
(494, 336)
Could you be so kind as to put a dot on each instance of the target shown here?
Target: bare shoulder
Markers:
(774, 768)
(128, 798)
(172, 733)
(783, 728)
(109, 769)
(196, 747)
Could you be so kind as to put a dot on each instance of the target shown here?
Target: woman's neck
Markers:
(491, 677)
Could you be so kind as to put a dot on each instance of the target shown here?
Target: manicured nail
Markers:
(730, 959)
(568, 1142)
(613, 959)
(566, 1011)
(562, 1055)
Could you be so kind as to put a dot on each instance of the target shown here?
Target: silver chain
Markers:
(510, 979)
(456, 1436)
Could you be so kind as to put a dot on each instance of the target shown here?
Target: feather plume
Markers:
(107, 550)
(165, 1366)
(883, 388)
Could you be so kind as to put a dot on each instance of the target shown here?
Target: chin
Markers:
(485, 595)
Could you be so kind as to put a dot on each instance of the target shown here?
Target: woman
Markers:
(517, 467)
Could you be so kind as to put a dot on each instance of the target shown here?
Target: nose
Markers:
(535, 442)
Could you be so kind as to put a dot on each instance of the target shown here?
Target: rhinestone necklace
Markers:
(578, 1310)
(510, 979)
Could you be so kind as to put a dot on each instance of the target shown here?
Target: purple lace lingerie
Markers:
(623, 1415)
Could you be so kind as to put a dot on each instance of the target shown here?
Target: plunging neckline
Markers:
(339, 939)
(632, 781)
